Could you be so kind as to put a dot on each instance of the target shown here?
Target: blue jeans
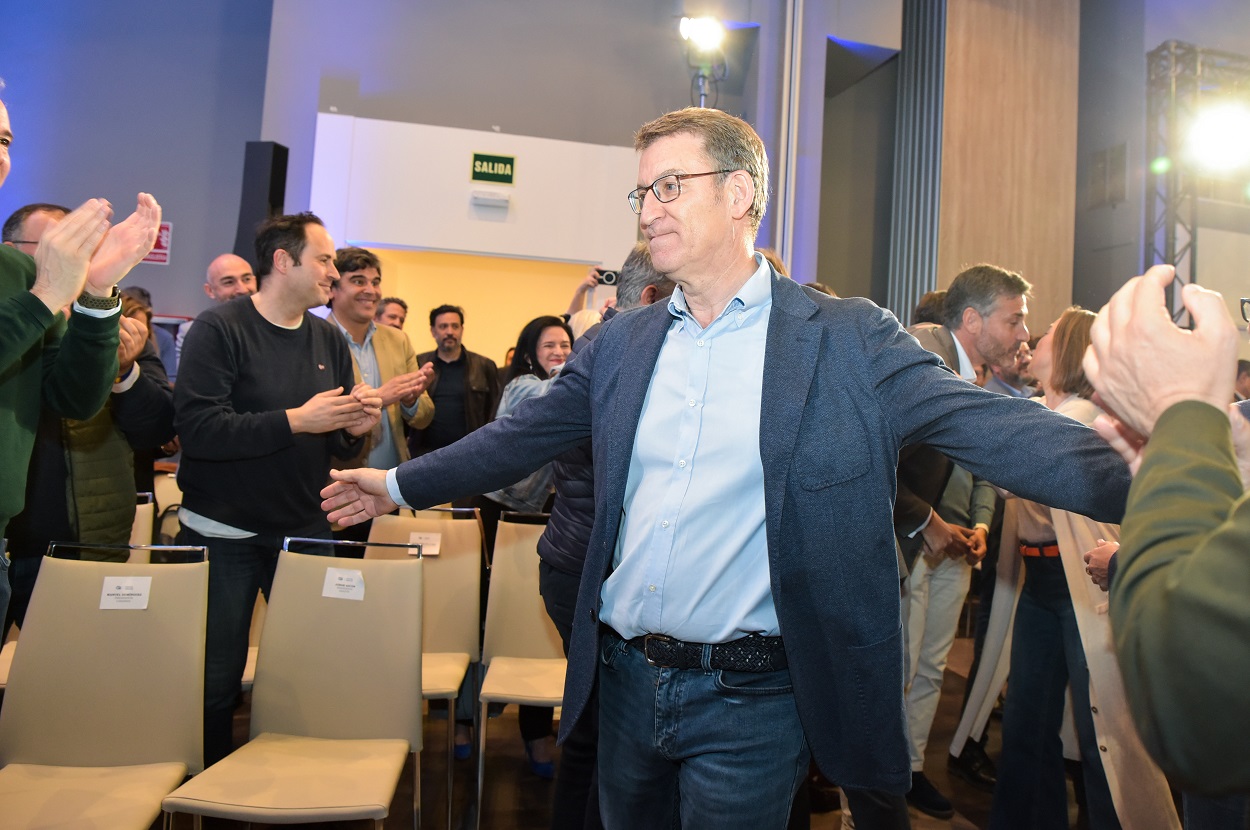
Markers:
(1046, 657)
(237, 569)
(695, 747)
(20, 586)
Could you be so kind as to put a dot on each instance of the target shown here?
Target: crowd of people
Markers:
(767, 503)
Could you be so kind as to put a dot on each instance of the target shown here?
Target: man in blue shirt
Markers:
(740, 600)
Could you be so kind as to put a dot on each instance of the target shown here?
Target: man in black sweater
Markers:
(265, 398)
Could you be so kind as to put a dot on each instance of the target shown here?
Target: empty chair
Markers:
(135, 554)
(522, 653)
(452, 576)
(336, 704)
(103, 714)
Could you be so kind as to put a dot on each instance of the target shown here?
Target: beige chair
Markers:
(336, 705)
(452, 629)
(145, 519)
(522, 652)
(134, 554)
(103, 715)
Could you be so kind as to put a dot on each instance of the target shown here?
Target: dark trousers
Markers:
(1046, 657)
(576, 802)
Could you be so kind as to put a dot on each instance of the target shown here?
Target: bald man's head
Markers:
(229, 276)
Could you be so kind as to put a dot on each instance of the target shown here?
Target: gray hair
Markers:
(979, 287)
(636, 274)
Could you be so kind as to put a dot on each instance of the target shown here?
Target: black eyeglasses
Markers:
(666, 188)
(23, 241)
(1245, 309)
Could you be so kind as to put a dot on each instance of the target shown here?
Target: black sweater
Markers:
(241, 465)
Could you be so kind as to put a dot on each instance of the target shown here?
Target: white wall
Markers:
(397, 185)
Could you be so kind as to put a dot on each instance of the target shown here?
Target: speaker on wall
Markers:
(264, 191)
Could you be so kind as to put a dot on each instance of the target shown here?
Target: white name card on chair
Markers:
(344, 583)
(429, 542)
(126, 592)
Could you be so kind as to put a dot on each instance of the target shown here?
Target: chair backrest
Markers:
(104, 687)
(165, 489)
(453, 578)
(332, 667)
(517, 624)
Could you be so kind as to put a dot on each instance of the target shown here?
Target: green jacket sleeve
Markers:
(1180, 602)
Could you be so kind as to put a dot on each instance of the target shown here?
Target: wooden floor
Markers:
(518, 800)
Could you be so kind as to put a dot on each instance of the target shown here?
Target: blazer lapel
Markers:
(791, 354)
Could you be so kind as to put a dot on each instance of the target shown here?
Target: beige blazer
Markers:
(395, 357)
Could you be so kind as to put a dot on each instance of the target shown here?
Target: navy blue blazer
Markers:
(845, 387)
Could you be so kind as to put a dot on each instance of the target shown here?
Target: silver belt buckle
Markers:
(646, 647)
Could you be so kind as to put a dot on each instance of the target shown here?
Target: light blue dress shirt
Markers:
(383, 455)
(691, 560)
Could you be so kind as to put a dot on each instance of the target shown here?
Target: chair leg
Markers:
(197, 821)
(481, 762)
(416, 791)
(451, 754)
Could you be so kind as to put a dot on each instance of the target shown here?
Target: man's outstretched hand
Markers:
(356, 496)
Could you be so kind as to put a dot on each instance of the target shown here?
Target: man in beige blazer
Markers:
(383, 357)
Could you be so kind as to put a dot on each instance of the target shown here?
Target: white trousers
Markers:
(935, 596)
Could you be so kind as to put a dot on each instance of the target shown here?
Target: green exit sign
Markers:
(498, 169)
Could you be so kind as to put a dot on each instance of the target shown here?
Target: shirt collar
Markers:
(966, 370)
(756, 292)
(368, 332)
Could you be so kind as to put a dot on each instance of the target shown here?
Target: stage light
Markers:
(1218, 140)
(705, 33)
(1160, 165)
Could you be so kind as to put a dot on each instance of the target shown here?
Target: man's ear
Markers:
(970, 320)
(10, 244)
(742, 192)
(648, 295)
(282, 261)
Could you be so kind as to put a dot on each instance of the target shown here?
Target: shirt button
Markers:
(700, 342)
(681, 463)
(651, 588)
(664, 523)
(692, 403)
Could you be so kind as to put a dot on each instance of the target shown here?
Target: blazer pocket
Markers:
(817, 473)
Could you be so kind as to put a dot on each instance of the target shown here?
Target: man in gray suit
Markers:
(740, 598)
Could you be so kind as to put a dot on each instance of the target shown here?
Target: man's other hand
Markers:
(370, 409)
(942, 539)
(356, 496)
(132, 334)
(1141, 363)
(64, 252)
(124, 247)
(1096, 561)
(325, 412)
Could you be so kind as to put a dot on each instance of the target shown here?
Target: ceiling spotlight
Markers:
(1219, 138)
(705, 33)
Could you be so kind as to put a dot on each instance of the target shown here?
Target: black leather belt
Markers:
(753, 653)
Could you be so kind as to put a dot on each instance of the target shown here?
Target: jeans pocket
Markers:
(610, 648)
(753, 682)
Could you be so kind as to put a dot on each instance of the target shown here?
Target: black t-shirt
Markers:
(448, 395)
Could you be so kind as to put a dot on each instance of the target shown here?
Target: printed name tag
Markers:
(344, 583)
(126, 592)
(429, 543)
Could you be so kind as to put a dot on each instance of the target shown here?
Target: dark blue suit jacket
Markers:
(845, 387)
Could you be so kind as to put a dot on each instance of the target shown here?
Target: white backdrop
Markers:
(399, 185)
